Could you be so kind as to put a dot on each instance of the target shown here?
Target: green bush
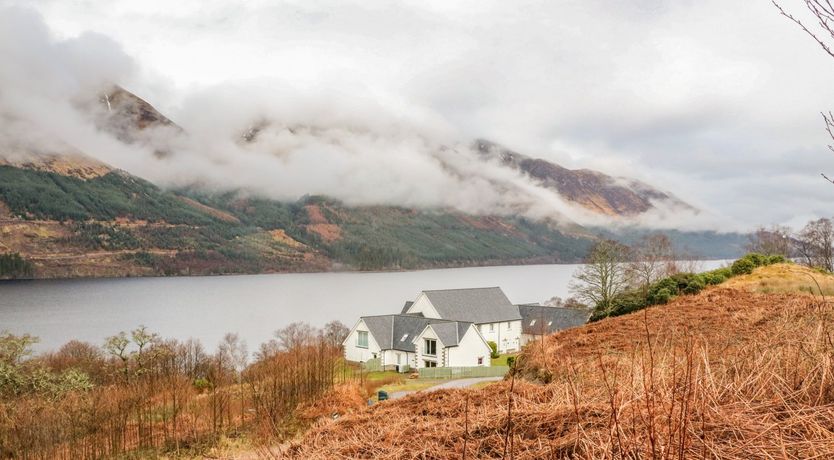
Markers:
(759, 260)
(621, 305)
(714, 277)
(688, 283)
(662, 291)
(776, 259)
(494, 347)
(662, 296)
(511, 361)
(743, 266)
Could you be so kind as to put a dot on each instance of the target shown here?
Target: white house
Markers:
(496, 318)
(452, 328)
(412, 341)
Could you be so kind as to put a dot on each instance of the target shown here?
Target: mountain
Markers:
(591, 189)
(71, 215)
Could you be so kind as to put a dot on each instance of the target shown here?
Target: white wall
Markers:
(506, 334)
(389, 358)
(356, 353)
(424, 306)
(471, 347)
(527, 338)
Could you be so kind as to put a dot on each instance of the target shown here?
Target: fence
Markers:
(462, 372)
(373, 365)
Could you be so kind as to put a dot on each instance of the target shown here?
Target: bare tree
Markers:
(771, 241)
(234, 352)
(814, 244)
(15, 348)
(267, 349)
(116, 346)
(295, 335)
(820, 27)
(142, 338)
(605, 276)
(335, 333)
(654, 258)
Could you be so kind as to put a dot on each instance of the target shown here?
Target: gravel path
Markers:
(457, 383)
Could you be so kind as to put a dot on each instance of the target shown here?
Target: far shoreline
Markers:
(310, 272)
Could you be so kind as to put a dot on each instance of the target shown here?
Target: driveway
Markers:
(457, 383)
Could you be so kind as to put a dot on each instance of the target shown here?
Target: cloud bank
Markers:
(716, 101)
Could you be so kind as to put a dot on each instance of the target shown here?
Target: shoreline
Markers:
(498, 263)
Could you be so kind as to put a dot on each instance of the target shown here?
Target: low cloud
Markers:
(376, 103)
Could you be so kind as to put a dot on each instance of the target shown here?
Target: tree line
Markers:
(618, 279)
(813, 245)
(13, 265)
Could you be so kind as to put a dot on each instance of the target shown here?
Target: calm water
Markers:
(254, 306)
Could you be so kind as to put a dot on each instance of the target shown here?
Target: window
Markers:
(430, 363)
(362, 339)
(399, 358)
(404, 337)
(533, 323)
(430, 348)
(550, 323)
(509, 326)
(480, 360)
(491, 327)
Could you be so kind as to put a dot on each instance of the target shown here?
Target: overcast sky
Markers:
(717, 101)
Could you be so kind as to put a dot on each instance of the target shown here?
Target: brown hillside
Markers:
(70, 164)
(729, 373)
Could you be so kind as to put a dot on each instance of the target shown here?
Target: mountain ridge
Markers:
(73, 215)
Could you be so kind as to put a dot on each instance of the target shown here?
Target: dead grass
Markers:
(785, 278)
(729, 374)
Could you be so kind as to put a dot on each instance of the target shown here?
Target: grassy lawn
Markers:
(502, 360)
(384, 375)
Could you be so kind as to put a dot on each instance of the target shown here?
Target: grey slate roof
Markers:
(550, 319)
(388, 330)
(476, 305)
(451, 332)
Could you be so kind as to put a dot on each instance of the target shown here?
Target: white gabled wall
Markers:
(471, 347)
(355, 353)
(505, 334)
(424, 306)
(419, 358)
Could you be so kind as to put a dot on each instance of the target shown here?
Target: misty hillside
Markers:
(72, 215)
(591, 189)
